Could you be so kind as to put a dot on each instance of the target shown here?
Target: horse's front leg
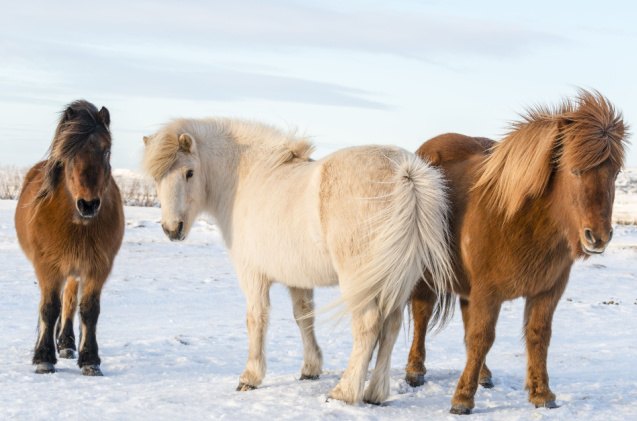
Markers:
(257, 291)
(88, 359)
(423, 300)
(65, 334)
(538, 318)
(303, 308)
(479, 336)
(50, 284)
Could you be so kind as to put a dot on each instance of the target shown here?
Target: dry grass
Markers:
(136, 190)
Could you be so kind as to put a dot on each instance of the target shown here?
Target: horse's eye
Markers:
(189, 174)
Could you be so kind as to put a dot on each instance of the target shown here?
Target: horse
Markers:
(522, 211)
(369, 219)
(70, 222)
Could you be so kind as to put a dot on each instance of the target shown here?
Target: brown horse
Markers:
(522, 211)
(70, 222)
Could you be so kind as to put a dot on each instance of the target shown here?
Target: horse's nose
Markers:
(88, 208)
(590, 237)
(596, 241)
(176, 234)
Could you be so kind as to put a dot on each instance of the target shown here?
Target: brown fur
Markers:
(519, 213)
(60, 240)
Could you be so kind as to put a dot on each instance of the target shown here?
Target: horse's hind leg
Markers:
(44, 355)
(303, 308)
(538, 318)
(423, 300)
(257, 291)
(378, 388)
(66, 336)
(479, 335)
(88, 359)
(485, 379)
(365, 329)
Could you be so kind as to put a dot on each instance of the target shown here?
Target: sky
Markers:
(342, 72)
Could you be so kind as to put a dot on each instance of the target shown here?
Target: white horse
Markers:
(371, 219)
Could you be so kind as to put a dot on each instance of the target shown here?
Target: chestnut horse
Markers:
(522, 211)
(70, 223)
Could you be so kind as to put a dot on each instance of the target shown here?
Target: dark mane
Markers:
(579, 134)
(79, 123)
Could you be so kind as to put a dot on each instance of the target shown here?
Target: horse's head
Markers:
(590, 155)
(80, 158)
(172, 160)
(588, 197)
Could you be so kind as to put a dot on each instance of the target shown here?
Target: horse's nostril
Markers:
(610, 235)
(589, 236)
(180, 227)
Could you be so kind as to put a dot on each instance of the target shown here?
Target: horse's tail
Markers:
(410, 239)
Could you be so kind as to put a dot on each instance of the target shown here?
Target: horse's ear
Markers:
(69, 113)
(185, 142)
(146, 140)
(104, 116)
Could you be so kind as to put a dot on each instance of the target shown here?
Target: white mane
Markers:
(212, 134)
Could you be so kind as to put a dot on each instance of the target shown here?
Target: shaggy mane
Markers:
(274, 146)
(577, 135)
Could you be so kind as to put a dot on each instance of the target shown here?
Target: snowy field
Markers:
(173, 342)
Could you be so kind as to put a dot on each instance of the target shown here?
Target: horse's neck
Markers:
(221, 160)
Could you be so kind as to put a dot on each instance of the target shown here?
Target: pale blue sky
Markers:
(343, 72)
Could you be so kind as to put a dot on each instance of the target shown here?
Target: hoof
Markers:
(91, 370)
(44, 368)
(487, 383)
(244, 387)
(548, 404)
(373, 403)
(309, 377)
(415, 380)
(67, 353)
(460, 410)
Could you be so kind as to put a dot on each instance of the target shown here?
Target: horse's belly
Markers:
(301, 270)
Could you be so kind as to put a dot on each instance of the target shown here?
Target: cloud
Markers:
(38, 70)
(254, 24)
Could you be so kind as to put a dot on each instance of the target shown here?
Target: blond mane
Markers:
(273, 146)
(579, 134)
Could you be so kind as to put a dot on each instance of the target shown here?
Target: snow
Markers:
(173, 342)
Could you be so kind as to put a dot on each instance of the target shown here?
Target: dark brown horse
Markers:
(522, 211)
(70, 222)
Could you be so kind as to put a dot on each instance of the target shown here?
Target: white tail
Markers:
(410, 239)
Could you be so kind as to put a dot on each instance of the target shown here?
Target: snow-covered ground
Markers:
(173, 342)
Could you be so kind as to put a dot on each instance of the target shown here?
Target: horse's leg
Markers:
(303, 308)
(538, 318)
(89, 360)
(257, 292)
(50, 285)
(66, 336)
(479, 336)
(365, 329)
(423, 301)
(485, 379)
(378, 388)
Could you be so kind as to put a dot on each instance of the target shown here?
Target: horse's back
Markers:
(453, 147)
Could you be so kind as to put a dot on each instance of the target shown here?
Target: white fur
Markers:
(371, 219)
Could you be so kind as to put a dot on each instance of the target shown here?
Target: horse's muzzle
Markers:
(595, 243)
(88, 208)
(176, 234)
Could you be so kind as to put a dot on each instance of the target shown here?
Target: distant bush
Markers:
(136, 190)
